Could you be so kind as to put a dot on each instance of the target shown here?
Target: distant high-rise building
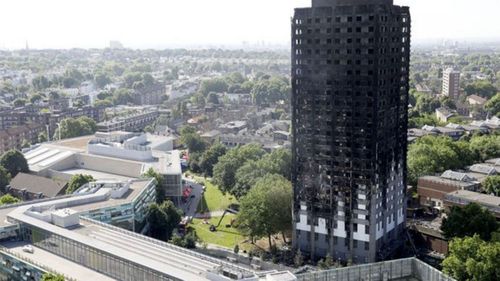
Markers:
(350, 65)
(451, 84)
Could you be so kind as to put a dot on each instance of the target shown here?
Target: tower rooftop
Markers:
(330, 3)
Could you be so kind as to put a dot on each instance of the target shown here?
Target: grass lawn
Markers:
(213, 199)
(224, 237)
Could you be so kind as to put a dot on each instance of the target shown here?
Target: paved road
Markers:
(191, 205)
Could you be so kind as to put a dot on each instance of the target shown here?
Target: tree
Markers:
(468, 221)
(188, 241)
(213, 98)
(192, 140)
(492, 185)
(40, 83)
(270, 90)
(485, 147)
(471, 258)
(493, 105)
(481, 88)
(4, 179)
(216, 85)
(210, 157)
(162, 220)
(103, 103)
(430, 155)
(160, 191)
(19, 102)
(14, 162)
(267, 208)
(35, 98)
(122, 97)
(8, 199)
(42, 137)
(298, 260)
(52, 277)
(78, 181)
(72, 128)
(224, 171)
(101, 80)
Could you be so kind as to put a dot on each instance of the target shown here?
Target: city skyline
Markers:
(92, 24)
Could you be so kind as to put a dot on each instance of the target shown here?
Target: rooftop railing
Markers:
(382, 271)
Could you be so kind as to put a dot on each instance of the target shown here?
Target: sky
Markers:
(184, 23)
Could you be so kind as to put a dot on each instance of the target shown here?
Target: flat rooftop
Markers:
(135, 189)
(476, 197)
(79, 143)
(96, 174)
(55, 262)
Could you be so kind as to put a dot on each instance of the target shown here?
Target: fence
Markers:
(383, 271)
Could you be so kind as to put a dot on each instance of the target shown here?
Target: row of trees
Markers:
(264, 89)
(435, 154)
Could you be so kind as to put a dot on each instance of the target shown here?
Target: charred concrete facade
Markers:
(350, 65)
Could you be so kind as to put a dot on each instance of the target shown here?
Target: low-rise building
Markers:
(30, 187)
(14, 138)
(152, 95)
(463, 198)
(455, 134)
(432, 189)
(443, 114)
(133, 122)
(476, 100)
(233, 127)
(118, 155)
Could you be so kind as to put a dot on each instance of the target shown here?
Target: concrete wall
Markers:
(109, 165)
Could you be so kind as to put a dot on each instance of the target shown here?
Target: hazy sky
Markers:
(163, 23)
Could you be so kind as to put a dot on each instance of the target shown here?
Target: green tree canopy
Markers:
(8, 199)
(485, 147)
(493, 105)
(72, 128)
(78, 181)
(19, 102)
(267, 208)
(52, 277)
(160, 191)
(277, 162)
(192, 140)
(122, 97)
(271, 90)
(14, 162)
(492, 185)
(481, 88)
(471, 258)
(35, 98)
(468, 221)
(210, 157)
(429, 155)
(226, 167)
(101, 80)
(4, 179)
(216, 85)
(163, 219)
